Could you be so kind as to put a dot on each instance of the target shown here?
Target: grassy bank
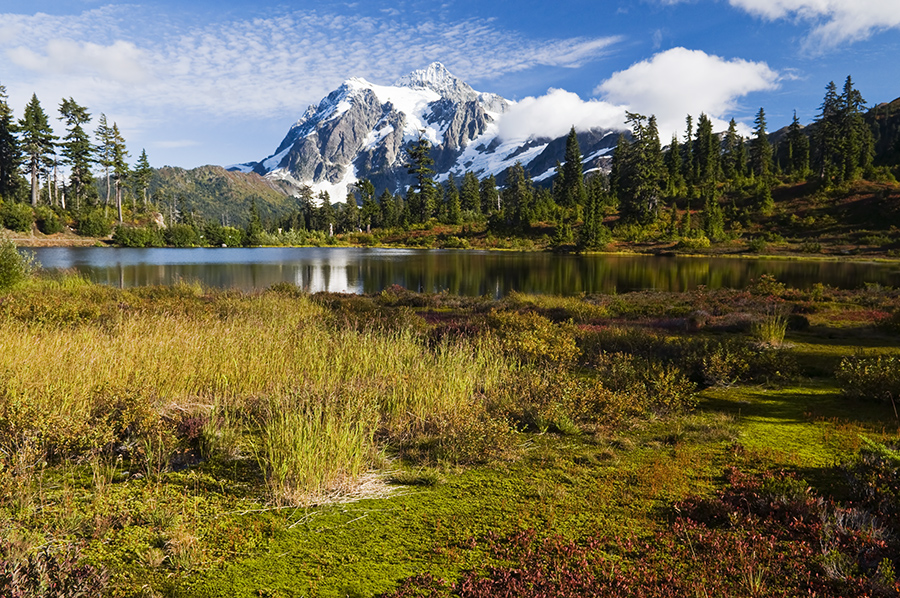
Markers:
(187, 442)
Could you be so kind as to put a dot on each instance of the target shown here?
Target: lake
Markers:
(495, 273)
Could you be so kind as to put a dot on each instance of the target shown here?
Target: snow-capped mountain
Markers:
(362, 130)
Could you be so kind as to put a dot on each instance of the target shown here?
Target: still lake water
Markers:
(361, 270)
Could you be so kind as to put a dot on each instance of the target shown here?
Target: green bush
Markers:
(47, 220)
(182, 235)
(94, 224)
(864, 377)
(217, 235)
(138, 236)
(18, 217)
(14, 266)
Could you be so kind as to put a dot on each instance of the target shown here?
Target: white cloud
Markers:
(121, 61)
(678, 82)
(553, 114)
(266, 67)
(834, 21)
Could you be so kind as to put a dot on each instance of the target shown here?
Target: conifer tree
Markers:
(490, 197)
(77, 150)
(10, 154)
(350, 215)
(452, 201)
(517, 198)
(105, 153)
(37, 142)
(119, 164)
(797, 158)
(389, 212)
(469, 196)
(760, 149)
(827, 154)
(326, 214)
(422, 195)
(141, 176)
(706, 155)
(370, 213)
(857, 147)
(593, 233)
(732, 165)
(570, 191)
(638, 171)
(672, 161)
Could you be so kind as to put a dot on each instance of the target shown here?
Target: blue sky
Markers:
(220, 82)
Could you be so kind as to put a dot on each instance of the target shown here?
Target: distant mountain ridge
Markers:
(362, 130)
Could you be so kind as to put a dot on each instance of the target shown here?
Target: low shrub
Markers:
(94, 223)
(49, 572)
(138, 236)
(47, 220)
(532, 338)
(18, 217)
(182, 235)
(870, 377)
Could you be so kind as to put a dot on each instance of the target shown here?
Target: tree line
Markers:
(32, 156)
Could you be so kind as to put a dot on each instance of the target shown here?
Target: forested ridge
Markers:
(807, 186)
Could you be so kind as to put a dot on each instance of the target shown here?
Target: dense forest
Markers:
(703, 189)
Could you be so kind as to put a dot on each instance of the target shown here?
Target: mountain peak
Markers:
(437, 78)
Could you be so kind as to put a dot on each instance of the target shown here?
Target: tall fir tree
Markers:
(452, 201)
(857, 142)
(141, 176)
(517, 199)
(10, 154)
(490, 197)
(77, 149)
(638, 171)
(37, 143)
(421, 196)
(570, 191)
(797, 154)
(370, 213)
(119, 165)
(761, 149)
(732, 166)
(105, 152)
(827, 149)
(706, 155)
(469, 196)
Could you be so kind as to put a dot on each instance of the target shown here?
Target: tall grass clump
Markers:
(268, 375)
(770, 330)
(15, 267)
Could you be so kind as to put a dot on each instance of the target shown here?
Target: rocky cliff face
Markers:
(362, 130)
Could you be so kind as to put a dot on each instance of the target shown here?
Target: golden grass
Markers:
(267, 372)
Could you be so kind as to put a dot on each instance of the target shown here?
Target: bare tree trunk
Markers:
(119, 200)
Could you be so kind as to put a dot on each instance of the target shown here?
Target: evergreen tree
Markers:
(687, 152)
(253, 232)
(370, 213)
(570, 190)
(760, 149)
(827, 154)
(141, 176)
(593, 233)
(77, 150)
(422, 195)
(858, 145)
(517, 198)
(327, 216)
(672, 161)
(10, 153)
(490, 197)
(37, 143)
(390, 215)
(732, 164)
(706, 155)
(105, 153)
(797, 158)
(119, 164)
(638, 171)
(350, 215)
(469, 196)
(713, 219)
(452, 201)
